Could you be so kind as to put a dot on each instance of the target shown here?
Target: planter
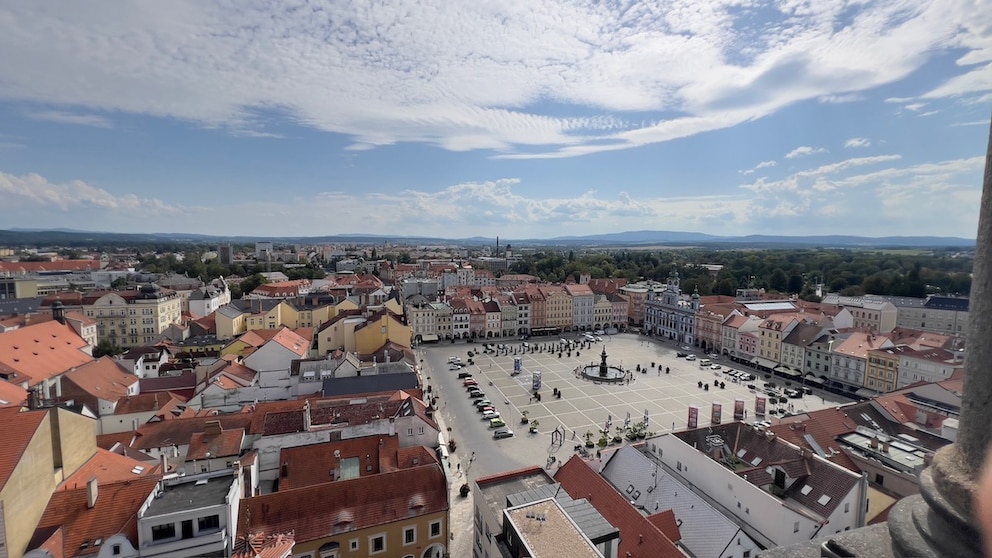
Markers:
(590, 445)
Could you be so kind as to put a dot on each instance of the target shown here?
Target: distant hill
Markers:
(68, 237)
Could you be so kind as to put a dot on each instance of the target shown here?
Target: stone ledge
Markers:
(870, 541)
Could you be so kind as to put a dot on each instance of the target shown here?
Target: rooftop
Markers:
(546, 530)
(190, 493)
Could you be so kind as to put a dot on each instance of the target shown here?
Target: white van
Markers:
(704, 362)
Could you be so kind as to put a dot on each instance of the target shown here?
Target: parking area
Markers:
(659, 385)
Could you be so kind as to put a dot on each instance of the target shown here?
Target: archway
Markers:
(435, 550)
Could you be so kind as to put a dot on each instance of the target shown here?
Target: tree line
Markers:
(787, 271)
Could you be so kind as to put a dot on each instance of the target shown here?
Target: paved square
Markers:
(585, 405)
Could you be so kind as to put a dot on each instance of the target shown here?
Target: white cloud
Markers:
(803, 151)
(417, 70)
(36, 192)
(765, 164)
(63, 117)
(915, 107)
(857, 142)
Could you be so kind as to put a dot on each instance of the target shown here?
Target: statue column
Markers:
(940, 520)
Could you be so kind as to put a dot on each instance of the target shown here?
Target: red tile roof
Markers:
(824, 426)
(108, 467)
(103, 378)
(313, 464)
(224, 444)
(639, 537)
(180, 431)
(19, 268)
(315, 511)
(666, 522)
(115, 512)
(18, 430)
(257, 545)
(42, 351)
(154, 401)
(12, 395)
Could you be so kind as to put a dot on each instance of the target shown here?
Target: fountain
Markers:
(603, 372)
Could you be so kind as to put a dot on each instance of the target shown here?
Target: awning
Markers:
(866, 393)
(428, 338)
(764, 362)
(815, 380)
(786, 371)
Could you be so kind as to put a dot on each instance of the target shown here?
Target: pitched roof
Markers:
(314, 511)
(580, 481)
(180, 431)
(153, 401)
(823, 427)
(12, 395)
(103, 378)
(115, 511)
(18, 430)
(226, 443)
(665, 521)
(319, 463)
(292, 341)
(42, 351)
(57, 265)
(258, 545)
(108, 467)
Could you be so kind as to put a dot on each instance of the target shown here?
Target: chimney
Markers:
(874, 442)
(58, 312)
(91, 493)
(165, 463)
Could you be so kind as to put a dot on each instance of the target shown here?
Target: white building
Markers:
(194, 515)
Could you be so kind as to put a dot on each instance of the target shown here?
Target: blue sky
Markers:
(518, 119)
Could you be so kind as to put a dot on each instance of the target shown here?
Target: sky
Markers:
(520, 119)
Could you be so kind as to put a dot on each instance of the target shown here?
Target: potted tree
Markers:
(618, 437)
(523, 417)
(533, 426)
(589, 442)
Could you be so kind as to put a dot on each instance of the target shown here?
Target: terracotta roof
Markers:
(108, 441)
(313, 464)
(108, 467)
(314, 511)
(12, 395)
(180, 431)
(581, 481)
(103, 378)
(665, 521)
(257, 545)
(292, 341)
(58, 265)
(226, 443)
(42, 351)
(824, 426)
(18, 430)
(116, 511)
(144, 402)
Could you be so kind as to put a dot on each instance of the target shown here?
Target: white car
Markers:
(690, 357)
(490, 415)
(715, 367)
(599, 332)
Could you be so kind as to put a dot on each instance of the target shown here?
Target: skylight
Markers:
(806, 490)
(824, 500)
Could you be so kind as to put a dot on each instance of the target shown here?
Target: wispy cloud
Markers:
(34, 191)
(62, 117)
(418, 72)
(857, 142)
(803, 151)
(759, 166)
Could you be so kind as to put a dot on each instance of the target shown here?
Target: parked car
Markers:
(497, 423)
(464, 374)
(690, 357)
(599, 332)
(477, 394)
(469, 382)
(485, 408)
(793, 393)
(489, 415)
(686, 348)
(745, 377)
(715, 367)
(681, 354)
(598, 338)
(713, 355)
(483, 403)
(502, 433)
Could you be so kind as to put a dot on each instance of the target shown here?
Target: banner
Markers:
(739, 409)
(645, 418)
(759, 405)
(693, 416)
(537, 381)
(517, 364)
(717, 411)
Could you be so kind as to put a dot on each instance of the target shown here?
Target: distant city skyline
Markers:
(523, 120)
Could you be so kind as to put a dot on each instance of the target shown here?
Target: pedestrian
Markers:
(459, 466)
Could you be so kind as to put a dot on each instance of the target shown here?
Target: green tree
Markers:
(106, 347)
(795, 283)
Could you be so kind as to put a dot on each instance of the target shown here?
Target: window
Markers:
(377, 544)
(879, 479)
(353, 545)
(847, 507)
(162, 532)
(435, 529)
(115, 550)
(409, 535)
(208, 523)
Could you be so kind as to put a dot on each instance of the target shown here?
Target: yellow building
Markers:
(40, 449)
(353, 332)
(557, 306)
(882, 372)
(127, 318)
(247, 315)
